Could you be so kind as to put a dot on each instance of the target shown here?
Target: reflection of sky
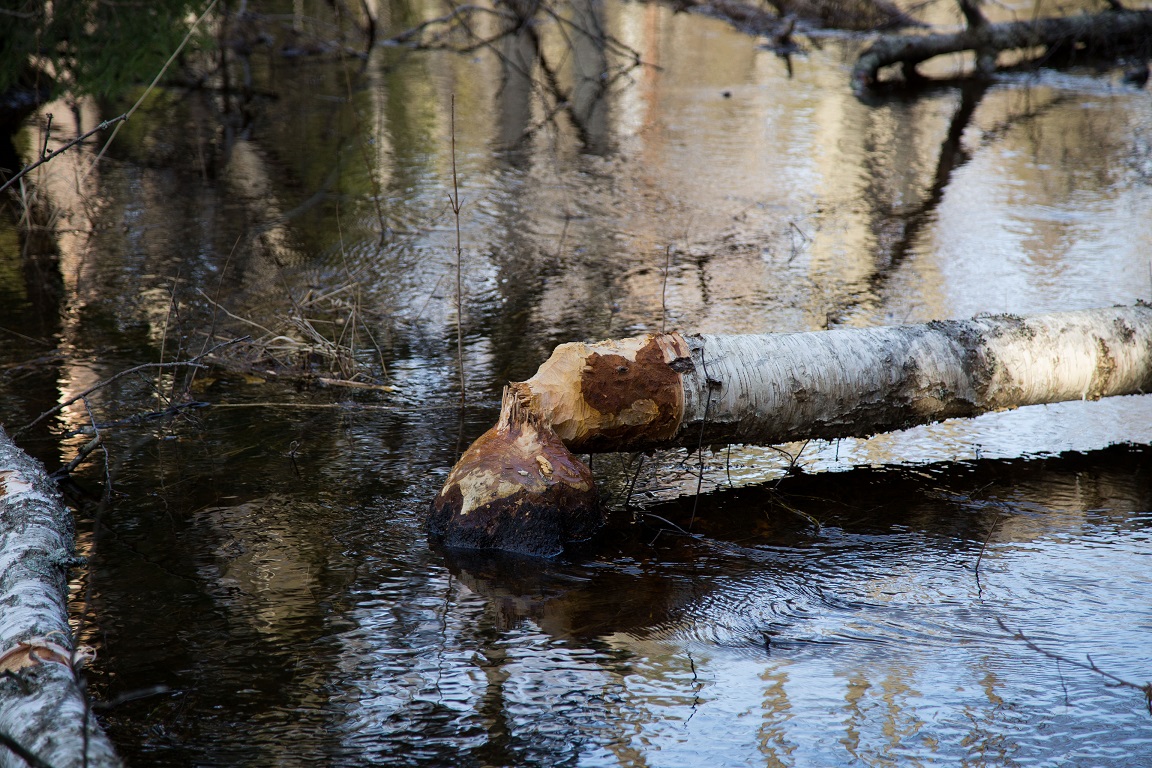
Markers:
(880, 649)
(783, 204)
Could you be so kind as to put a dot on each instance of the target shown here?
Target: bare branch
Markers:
(55, 153)
(1090, 665)
(193, 363)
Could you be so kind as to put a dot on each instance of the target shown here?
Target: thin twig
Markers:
(1090, 665)
(455, 200)
(57, 152)
(235, 317)
(194, 362)
(124, 698)
(635, 477)
(140, 418)
(979, 557)
(81, 455)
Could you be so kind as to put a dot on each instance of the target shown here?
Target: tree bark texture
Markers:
(518, 488)
(1096, 31)
(42, 706)
(673, 390)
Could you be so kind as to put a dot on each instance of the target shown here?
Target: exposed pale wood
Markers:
(517, 488)
(42, 708)
(667, 389)
(612, 392)
(852, 382)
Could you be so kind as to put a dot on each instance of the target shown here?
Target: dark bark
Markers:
(1103, 31)
(855, 15)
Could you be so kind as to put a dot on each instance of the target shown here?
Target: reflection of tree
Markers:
(89, 46)
(898, 225)
(744, 579)
(897, 228)
(572, 77)
(775, 743)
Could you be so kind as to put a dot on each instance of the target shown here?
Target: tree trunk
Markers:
(43, 712)
(1105, 30)
(668, 390)
(665, 390)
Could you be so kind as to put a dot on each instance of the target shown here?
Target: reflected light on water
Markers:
(266, 560)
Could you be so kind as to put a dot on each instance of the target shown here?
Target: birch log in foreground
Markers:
(42, 707)
(664, 390)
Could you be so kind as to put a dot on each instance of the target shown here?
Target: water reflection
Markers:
(265, 558)
(809, 613)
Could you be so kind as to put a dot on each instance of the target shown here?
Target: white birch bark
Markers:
(669, 389)
(42, 708)
(777, 388)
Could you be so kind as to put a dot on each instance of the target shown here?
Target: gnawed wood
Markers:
(1102, 31)
(850, 382)
(600, 396)
(517, 488)
(662, 390)
(42, 707)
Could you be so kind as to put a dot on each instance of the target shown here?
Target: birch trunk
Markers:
(42, 706)
(664, 390)
(672, 390)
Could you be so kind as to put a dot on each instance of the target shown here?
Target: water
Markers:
(262, 557)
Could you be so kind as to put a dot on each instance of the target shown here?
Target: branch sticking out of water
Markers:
(454, 200)
(193, 363)
(1090, 665)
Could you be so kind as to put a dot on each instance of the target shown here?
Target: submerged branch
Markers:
(193, 363)
(1089, 665)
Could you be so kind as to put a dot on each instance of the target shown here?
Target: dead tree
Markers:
(1101, 31)
(519, 488)
(44, 715)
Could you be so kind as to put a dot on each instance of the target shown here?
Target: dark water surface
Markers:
(262, 555)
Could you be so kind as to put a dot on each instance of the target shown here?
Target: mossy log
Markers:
(44, 718)
(665, 390)
(1104, 31)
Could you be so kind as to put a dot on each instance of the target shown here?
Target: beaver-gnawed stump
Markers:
(517, 489)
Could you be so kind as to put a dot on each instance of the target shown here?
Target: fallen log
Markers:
(1102, 31)
(853, 15)
(44, 717)
(518, 488)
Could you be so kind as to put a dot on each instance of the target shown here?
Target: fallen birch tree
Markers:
(519, 488)
(44, 715)
(1101, 31)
